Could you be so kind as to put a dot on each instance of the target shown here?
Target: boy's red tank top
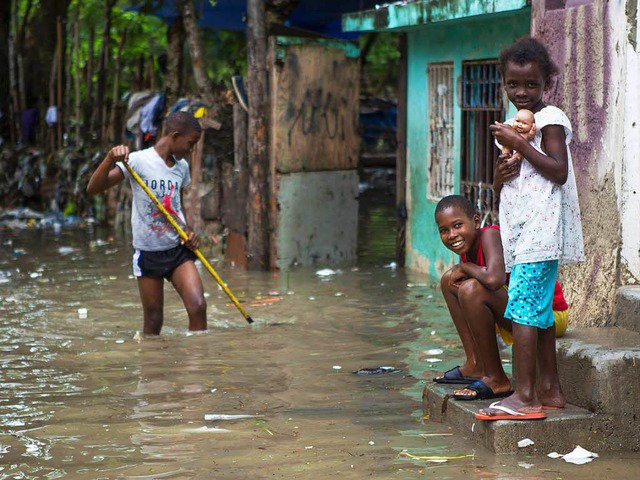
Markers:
(559, 303)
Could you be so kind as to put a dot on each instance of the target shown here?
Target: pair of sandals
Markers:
(481, 389)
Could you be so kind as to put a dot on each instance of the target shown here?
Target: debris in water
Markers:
(82, 313)
(337, 367)
(376, 370)
(578, 456)
(525, 442)
(222, 416)
(434, 351)
(326, 272)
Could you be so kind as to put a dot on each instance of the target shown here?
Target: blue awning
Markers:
(319, 16)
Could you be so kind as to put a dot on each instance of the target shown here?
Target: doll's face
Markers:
(523, 121)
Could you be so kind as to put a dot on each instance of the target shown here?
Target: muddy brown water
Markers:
(83, 398)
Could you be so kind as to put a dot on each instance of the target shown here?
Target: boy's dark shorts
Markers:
(162, 263)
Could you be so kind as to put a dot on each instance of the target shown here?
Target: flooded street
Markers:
(86, 398)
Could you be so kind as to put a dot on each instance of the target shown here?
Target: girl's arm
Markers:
(553, 164)
(492, 275)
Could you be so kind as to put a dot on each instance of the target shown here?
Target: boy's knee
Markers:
(197, 305)
(470, 289)
(444, 281)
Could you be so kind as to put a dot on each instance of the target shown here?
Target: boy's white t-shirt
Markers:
(150, 229)
(539, 219)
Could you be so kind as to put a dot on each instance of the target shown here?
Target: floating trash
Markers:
(376, 371)
(222, 416)
(326, 272)
(337, 367)
(434, 351)
(525, 442)
(577, 456)
(83, 313)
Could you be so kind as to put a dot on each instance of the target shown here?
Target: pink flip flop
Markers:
(510, 414)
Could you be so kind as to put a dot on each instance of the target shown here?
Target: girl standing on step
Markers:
(539, 225)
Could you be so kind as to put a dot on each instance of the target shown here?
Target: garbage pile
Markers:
(45, 191)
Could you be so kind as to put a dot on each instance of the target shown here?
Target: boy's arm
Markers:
(107, 175)
(492, 275)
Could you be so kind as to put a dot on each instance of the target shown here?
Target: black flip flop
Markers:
(454, 376)
(483, 392)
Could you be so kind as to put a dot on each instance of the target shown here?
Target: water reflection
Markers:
(83, 398)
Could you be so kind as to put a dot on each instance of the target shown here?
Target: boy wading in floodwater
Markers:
(159, 253)
(539, 225)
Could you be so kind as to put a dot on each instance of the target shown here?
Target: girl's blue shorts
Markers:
(531, 289)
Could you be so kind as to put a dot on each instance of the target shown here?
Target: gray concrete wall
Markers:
(318, 218)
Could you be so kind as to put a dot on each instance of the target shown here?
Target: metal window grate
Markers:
(440, 155)
(482, 104)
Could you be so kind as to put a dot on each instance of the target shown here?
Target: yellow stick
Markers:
(185, 237)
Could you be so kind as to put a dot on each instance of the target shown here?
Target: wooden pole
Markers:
(78, 101)
(52, 98)
(258, 158)
(111, 129)
(59, 41)
(14, 111)
(401, 154)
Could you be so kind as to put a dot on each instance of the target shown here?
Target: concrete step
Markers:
(627, 309)
(561, 431)
(599, 371)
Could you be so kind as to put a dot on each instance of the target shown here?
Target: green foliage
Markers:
(226, 55)
(380, 71)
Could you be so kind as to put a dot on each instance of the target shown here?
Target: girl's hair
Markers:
(456, 201)
(528, 50)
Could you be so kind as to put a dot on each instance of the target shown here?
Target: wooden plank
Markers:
(315, 102)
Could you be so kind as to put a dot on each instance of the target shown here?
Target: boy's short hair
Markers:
(456, 201)
(183, 122)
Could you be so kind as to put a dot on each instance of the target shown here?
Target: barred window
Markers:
(482, 103)
(440, 155)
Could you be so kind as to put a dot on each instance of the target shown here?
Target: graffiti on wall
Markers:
(315, 109)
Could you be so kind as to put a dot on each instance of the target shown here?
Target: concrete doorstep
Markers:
(560, 432)
(599, 372)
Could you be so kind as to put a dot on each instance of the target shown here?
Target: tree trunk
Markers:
(258, 157)
(78, 79)
(111, 135)
(103, 59)
(5, 82)
(195, 50)
(39, 39)
(88, 96)
(175, 61)
(13, 77)
(60, 56)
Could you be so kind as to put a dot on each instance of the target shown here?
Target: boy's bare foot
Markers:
(552, 400)
(513, 403)
(497, 390)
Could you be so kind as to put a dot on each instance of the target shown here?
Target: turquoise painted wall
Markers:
(471, 39)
